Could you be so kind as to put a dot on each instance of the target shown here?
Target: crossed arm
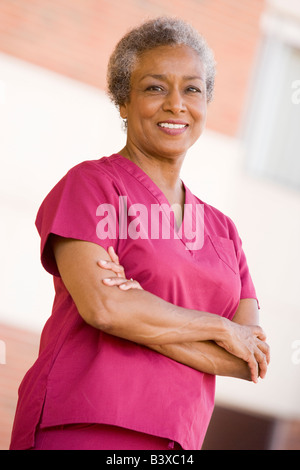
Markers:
(107, 300)
(209, 357)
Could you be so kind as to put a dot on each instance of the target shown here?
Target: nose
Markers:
(174, 101)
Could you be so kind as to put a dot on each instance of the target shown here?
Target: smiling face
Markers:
(166, 112)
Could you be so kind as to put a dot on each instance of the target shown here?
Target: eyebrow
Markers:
(163, 77)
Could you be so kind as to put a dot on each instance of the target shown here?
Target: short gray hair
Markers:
(157, 32)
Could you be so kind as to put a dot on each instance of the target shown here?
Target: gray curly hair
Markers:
(161, 31)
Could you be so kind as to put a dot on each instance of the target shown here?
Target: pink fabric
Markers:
(98, 437)
(84, 375)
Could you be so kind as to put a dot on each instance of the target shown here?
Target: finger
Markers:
(249, 358)
(263, 371)
(131, 284)
(260, 333)
(123, 283)
(254, 371)
(262, 363)
(116, 268)
(110, 265)
(113, 255)
(265, 348)
(114, 281)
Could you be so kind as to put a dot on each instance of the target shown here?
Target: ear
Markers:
(123, 111)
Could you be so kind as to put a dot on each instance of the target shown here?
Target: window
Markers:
(272, 121)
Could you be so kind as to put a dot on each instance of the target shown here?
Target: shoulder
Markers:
(94, 169)
(218, 221)
(85, 178)
(83, 185)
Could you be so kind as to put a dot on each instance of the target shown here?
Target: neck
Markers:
(164, 172)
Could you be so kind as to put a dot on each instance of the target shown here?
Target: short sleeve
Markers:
(75, 207)
(247, 286)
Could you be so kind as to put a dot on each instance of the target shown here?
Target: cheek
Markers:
(141, 116)
(199, 114)
(149, 109)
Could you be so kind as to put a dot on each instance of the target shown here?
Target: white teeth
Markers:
(171, 126)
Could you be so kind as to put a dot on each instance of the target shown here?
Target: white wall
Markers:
(267, 216)
(49, 123)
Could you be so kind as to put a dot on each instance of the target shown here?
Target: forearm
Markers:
(147, 319)
(205, 356)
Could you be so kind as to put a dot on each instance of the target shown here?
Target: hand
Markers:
(248, 343)
(120, 280)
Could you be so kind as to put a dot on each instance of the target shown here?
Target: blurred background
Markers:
(54, 113)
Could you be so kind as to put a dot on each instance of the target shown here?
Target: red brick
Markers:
(21, 352)
(76, 39)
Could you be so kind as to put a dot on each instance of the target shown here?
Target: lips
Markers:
(172, 127)
(172, 124)
(168, 125)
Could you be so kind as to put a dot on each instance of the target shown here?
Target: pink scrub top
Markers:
(83, 375)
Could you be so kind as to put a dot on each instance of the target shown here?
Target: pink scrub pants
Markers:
(98, 437)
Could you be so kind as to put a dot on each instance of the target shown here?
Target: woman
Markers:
(123, 367)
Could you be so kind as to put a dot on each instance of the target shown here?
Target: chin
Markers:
(173, 151)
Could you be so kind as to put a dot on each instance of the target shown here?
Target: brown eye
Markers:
(193, 89)
(156, 88)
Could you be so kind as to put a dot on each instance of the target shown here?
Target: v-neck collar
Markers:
(149, 184)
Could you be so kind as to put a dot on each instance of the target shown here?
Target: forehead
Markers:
(162, 60)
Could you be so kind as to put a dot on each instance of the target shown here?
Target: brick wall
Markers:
(76, 37)
(21, 349)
